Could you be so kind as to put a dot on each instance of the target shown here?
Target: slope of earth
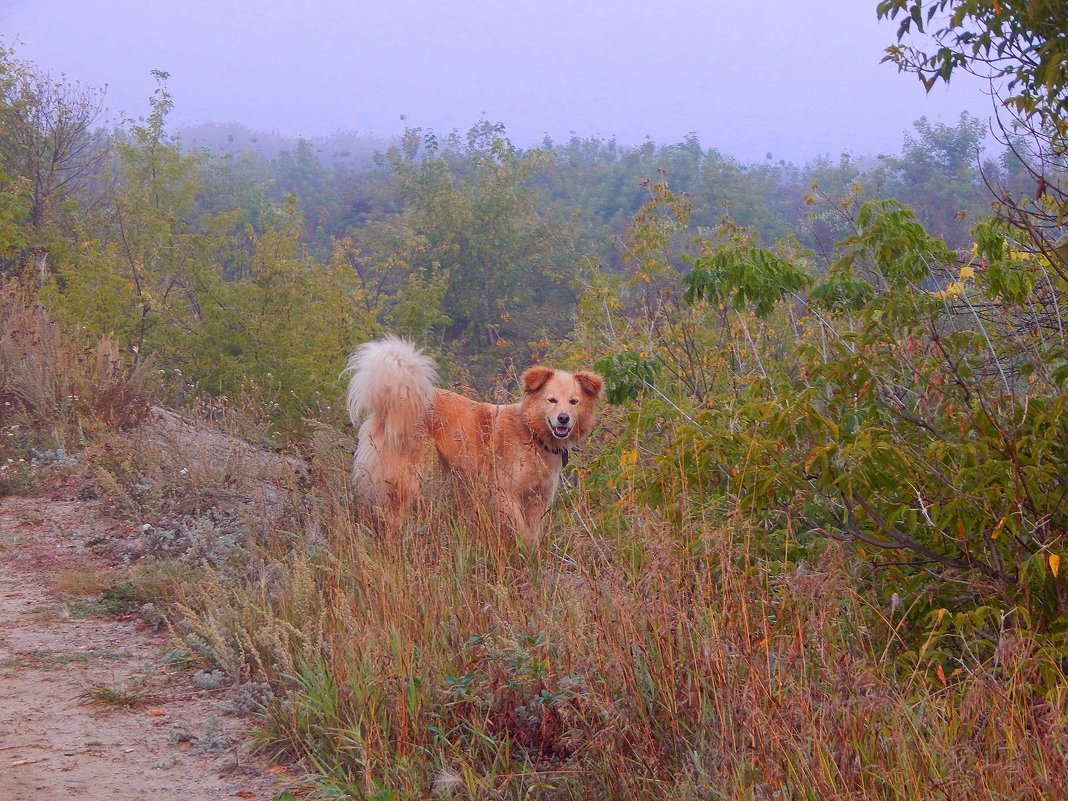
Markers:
(94, 705)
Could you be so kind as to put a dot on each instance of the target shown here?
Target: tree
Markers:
(1021, 43)
(935, 175)
(506, 259)
(47, 138)
(155, 237)
(143, 267)
(1021, 46)
(282, 332)
(14, 210)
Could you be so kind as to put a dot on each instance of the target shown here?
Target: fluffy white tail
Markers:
(392, 383)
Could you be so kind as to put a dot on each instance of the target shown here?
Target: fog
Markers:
(794, 78)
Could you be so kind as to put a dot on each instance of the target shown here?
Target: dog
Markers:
(511, 453)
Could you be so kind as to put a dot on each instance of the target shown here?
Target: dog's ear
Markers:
(591, 383)
(535, 378)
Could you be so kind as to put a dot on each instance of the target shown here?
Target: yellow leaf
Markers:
(966, 272)
(1054, 564)
(997, 529)
(813, 455)
(628, 457)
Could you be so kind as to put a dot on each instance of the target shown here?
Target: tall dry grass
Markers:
(57, 393)
(53, 384)
(631, 659)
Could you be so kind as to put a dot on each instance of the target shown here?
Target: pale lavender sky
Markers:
(797, 78)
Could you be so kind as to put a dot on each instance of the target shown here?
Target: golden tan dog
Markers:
(512, 453)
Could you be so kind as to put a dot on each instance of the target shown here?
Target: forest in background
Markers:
(237, 257)
(815, 545)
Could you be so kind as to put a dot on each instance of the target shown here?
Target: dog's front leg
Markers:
(512, 519)
(534, 511)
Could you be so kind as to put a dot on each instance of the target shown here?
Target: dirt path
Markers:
(175, 743)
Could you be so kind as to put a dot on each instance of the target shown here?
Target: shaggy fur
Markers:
(512, 452)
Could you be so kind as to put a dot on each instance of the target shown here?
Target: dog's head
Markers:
(559, 406)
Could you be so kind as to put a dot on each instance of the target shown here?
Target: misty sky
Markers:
(797, 78)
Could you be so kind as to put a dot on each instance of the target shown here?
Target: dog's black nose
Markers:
(563, 418)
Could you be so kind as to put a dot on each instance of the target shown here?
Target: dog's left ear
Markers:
(535, 378)
(591, 383)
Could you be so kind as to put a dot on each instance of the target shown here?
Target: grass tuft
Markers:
(113, 698)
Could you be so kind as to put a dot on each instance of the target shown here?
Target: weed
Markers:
(160, 580)
(113, 698)
(30, 517)
(55, 387)
(83, 582)
(85, 608)
(44, 659)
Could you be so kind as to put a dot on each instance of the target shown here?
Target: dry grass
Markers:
(54, 387)
(84, 582)
(634, 660)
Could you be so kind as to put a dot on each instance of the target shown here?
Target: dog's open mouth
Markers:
(560, 432)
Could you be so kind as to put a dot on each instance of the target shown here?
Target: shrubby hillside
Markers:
(814, 548)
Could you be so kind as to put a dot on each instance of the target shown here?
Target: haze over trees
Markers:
(459, 239)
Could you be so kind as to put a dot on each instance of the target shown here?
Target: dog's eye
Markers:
(552, 400)
(574, 401)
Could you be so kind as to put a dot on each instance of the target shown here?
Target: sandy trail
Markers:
(175, 744)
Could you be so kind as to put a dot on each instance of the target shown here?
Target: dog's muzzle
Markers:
(561, 426)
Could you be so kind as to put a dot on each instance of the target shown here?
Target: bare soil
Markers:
(175, 742)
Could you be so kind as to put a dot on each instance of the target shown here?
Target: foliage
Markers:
(626, 375)
(935, 175)
(283, 329)
(1020, 42)
(499, 260)
(155, 280)
(814, 548)
(1022, 48)
(14, 213)
(842, 291)
(742, 277)
(893, 245)
(649, 660)
(48, 142)
(925, 423)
